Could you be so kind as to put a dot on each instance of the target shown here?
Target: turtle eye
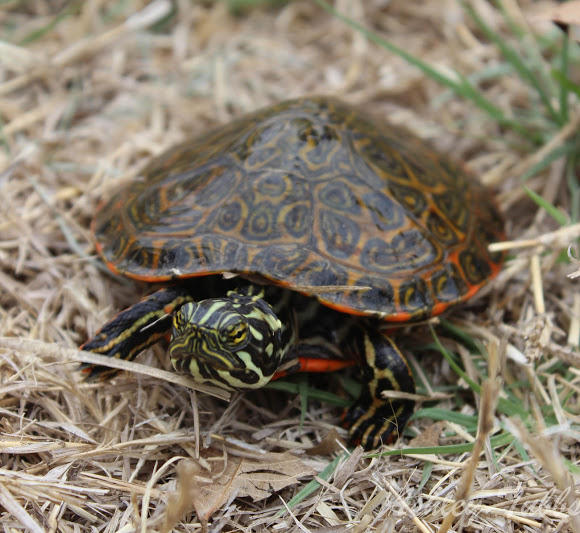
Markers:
(237, 335)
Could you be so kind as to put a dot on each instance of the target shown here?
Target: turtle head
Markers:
(233, 342)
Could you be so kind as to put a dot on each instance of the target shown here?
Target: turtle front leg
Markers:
(373, 419)
(134, 329)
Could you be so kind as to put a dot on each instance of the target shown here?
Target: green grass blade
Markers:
(304, 395)
(564, 112)
(572, 165)
(503, 405)
(313, 485)
(436, 413)
(451, 329)
(563, 80)
(53, 23)
(371, 36)
(565, 150)
(462, 87)
(529, 43)
(313, 393)
(496, 441)
(553, 211)
(425, 477)
(514, 57)
(456, 368)
(239, 7)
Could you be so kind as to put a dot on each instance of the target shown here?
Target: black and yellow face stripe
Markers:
(234, 342)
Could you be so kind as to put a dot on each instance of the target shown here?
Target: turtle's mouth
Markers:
(201, 345)
(183, 359)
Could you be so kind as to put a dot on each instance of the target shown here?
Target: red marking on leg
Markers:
(169, 308)
(307, 364)
(322, 365)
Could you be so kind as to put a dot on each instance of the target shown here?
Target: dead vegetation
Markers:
(91, 90)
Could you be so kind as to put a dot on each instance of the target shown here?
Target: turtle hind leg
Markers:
(373, 419)
(134, 329)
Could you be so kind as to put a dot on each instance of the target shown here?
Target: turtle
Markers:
(333, 224)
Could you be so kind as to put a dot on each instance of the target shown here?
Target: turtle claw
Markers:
(92, 373)
(381, 422)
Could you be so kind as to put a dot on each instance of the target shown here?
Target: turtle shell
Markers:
(310, 194)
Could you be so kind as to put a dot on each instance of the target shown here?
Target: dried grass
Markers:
(85, 102)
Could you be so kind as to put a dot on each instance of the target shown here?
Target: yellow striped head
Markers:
(233, 342)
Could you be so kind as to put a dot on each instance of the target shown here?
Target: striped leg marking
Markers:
(373, 420)
(134, 329)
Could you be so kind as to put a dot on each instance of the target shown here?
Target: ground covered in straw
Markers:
(89, 91)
